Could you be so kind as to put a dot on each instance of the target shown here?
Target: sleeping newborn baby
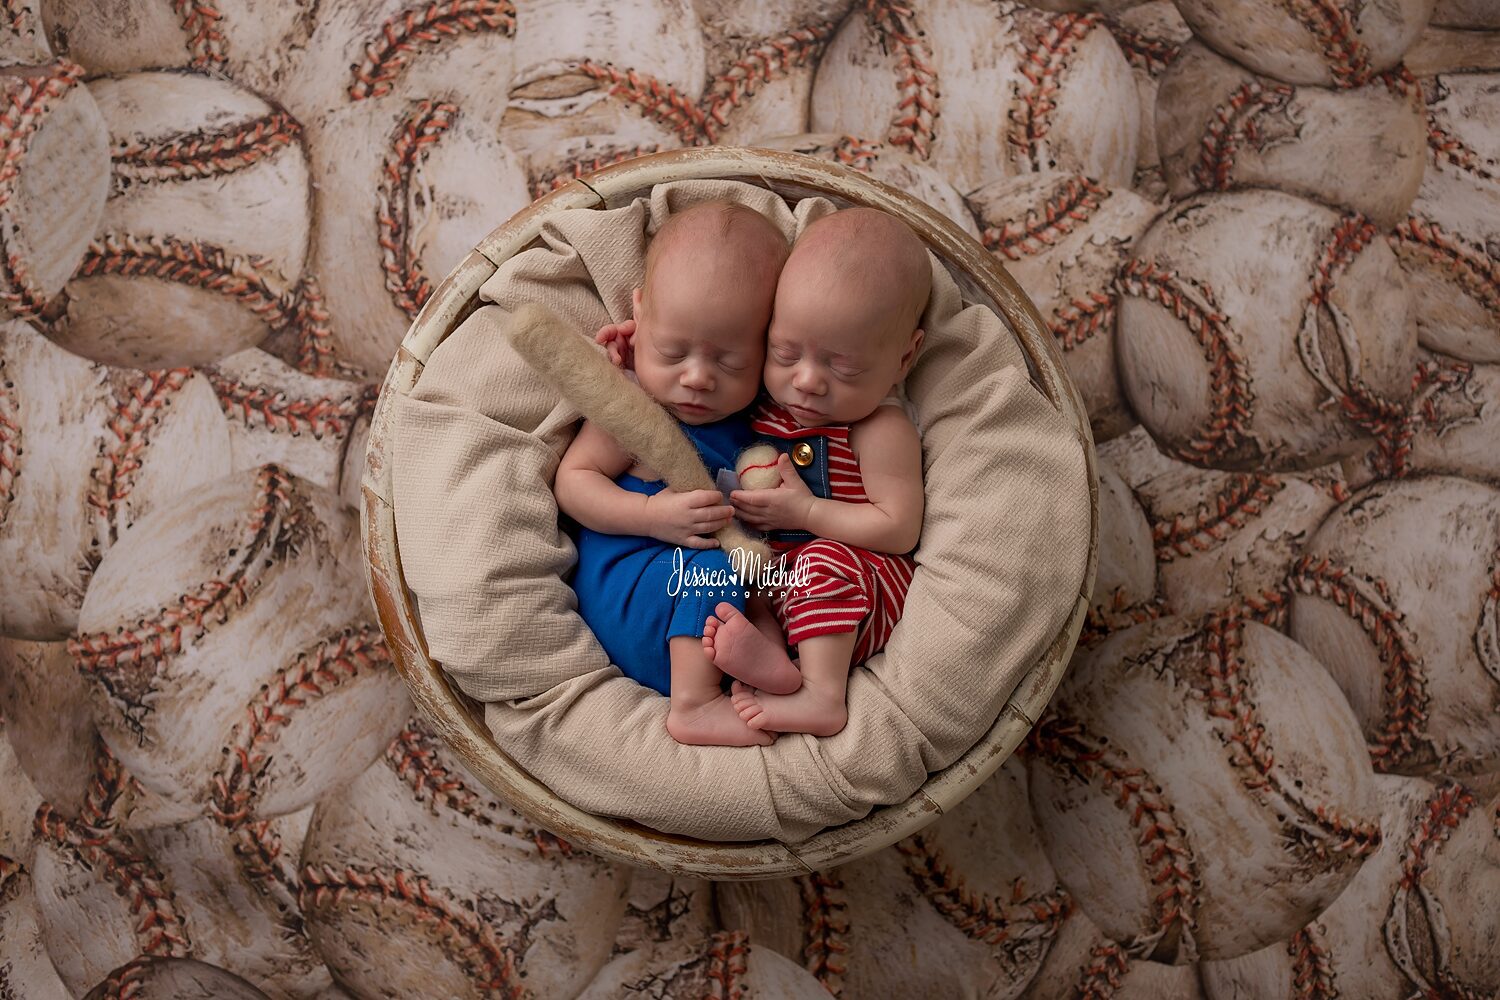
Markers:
(699, 339)
(849, 505)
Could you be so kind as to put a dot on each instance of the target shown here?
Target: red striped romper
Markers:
(849, 589)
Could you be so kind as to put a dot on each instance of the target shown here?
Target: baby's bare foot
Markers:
(741, 650)
(714, 723)
(819, 711)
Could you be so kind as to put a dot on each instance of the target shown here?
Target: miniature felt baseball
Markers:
(418, 881)
(757, 467)
(1201, 787)
(1398, 595)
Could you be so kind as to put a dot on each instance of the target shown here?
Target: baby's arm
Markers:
(587, 493)
(586, 490)
(890, 463)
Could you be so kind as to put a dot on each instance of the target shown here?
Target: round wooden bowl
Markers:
(460, 721)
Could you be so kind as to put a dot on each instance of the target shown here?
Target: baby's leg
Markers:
(702, 714)
(818, 707)
(746, 649)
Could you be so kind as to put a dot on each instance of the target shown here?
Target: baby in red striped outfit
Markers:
(848, 510)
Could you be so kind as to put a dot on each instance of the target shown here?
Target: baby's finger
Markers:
(695, 542)
(703, 498)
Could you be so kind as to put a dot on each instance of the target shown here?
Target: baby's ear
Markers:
(635, 304)
(911, 351)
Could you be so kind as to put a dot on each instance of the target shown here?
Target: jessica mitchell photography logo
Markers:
(746, 572)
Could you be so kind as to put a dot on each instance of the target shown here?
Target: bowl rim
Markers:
(459, 720)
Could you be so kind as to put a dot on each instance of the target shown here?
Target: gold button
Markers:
(802, 453)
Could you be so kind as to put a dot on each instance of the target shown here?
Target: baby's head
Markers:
(847, 307)
(702, 312)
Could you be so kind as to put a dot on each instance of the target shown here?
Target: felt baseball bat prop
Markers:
(584, 376)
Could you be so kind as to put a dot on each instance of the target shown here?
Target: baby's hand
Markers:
(616, 338)
(787, 506)
(679, 518)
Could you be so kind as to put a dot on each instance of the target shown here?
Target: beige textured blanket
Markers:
(477, 444)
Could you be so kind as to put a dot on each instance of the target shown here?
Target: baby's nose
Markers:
(697, 377)
(806, 380)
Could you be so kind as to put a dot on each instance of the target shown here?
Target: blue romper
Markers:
(623, 581)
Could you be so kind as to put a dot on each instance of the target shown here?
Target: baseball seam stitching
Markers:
(1234, 121)
(1194, 304)
(401, 34)
(1241, 496)
(825, 921)
(404, 277)
(200, 21)
(128, 660)
(1062, 211)
(1041, 72)
(1367, 600)
(490, 962)
(1316, 828)
(138, 410)
(207, 152)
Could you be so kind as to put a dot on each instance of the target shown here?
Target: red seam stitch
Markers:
(138, 410)
(489, 960)
(1234, 121)
(403, 33)
(1315, 827)
(1041, 75)
(978, 915)
(10, 442)
(1103, 973)
(729, 955)
(1166, 854)
(413, 755)
(1312, 966)
(404, 278)
(207, 44)
(1227, 426)
(1061, 212)
(127, 660)
(1476, 273)
(825, 923)
(581, 165)
(913, 124)
(762, 62)
(1241, 496)
(201, 265)
(1333, 26)
(206, 152)
(257, 406)
(1404, 691)
(328, 664)
(1143, 51)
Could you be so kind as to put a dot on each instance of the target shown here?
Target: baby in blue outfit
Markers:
(699, 341)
